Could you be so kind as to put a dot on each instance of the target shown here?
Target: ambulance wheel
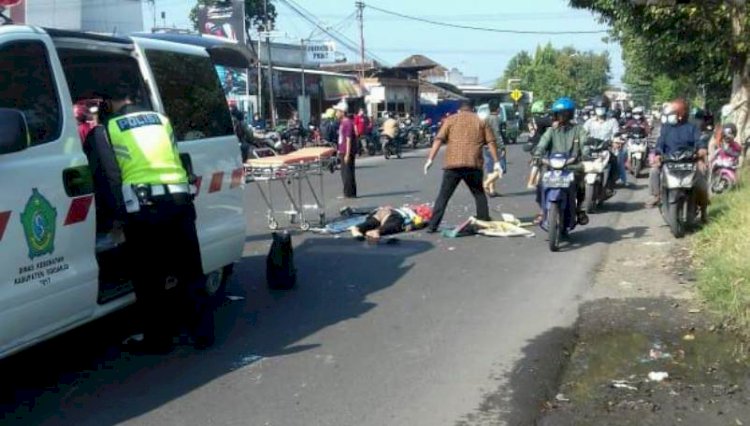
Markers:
(273, 225)
(216, 282)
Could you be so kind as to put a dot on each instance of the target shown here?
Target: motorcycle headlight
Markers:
(557, 163)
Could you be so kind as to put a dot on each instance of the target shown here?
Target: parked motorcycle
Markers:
(679, 205)
(596, 166)
(637, 146)
(558, 199)
(723, 170)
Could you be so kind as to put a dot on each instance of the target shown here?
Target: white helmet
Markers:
(638, 110)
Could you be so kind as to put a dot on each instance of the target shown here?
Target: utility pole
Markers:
(153, 10)
(270, 64)
(361, 18)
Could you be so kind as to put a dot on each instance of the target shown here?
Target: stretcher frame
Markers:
(294, 172)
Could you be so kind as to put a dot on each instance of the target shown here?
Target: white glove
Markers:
(427, 166)
(498, 169)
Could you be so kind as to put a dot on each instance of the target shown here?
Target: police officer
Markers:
(149, 189)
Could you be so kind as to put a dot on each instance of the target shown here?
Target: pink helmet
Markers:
(79, 111)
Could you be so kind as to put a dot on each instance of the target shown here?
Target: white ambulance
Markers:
(52, 277)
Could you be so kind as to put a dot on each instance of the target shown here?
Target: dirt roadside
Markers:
(642, 319)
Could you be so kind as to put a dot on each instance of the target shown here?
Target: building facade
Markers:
(98, 16)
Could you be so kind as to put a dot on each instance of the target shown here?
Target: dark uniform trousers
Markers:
(163, 245)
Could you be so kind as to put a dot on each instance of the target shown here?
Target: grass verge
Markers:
(722, 256)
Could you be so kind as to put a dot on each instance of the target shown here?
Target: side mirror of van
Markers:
(14, 132)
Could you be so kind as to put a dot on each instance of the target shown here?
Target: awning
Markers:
(335, 87)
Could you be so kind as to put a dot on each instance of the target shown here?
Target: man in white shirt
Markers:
(601, 127)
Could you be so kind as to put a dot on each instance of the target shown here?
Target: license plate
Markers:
(557, 180)
(681, 166)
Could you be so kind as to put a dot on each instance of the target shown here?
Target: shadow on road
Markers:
(84, 377)
(587, 236)
(389, 194)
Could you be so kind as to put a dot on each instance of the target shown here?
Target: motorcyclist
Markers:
(676, 135)
(603, 128)
(638, 120)
(626, 116)
(390, 127)
(539, 123)
(727, 145)
(566, 138)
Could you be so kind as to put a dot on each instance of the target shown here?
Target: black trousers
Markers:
(394, 224)
(163, 248)
(451, 179)
(348, 177)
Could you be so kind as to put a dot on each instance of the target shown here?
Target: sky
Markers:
(475, 53)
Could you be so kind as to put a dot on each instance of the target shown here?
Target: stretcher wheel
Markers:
(305, 226)
(273, 225)
(322, 217)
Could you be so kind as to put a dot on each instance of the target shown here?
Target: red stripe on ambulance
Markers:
(216, 180)
(79, 210)
(237, 176)
(4, 218)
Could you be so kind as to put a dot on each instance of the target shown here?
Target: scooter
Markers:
(558, 199)
(679, 205)
(637, 147)
(390, 146)
(723, 170)
(596, 166)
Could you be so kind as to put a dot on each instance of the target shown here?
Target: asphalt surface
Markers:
(414, 333)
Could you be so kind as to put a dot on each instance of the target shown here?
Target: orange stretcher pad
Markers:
(304, 155)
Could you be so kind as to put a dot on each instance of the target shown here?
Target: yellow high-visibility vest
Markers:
(144, 148)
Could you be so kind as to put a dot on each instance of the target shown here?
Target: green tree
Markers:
(704, 44)
(254, 13)
(551, 73)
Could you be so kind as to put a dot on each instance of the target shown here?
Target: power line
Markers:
(471, 27)
(336, 35)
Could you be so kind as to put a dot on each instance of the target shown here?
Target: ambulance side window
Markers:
(27, 84)
(192, 95)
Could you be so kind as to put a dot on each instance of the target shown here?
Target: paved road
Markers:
(408, 334)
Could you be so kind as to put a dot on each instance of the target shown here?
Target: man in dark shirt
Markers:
(677, 134)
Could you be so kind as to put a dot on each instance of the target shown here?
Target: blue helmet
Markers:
(563, 104)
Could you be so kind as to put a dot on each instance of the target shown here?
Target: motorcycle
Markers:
(596, 166)
(558, 199)
(723, 171)
(637, 147)
(679, 205)
(390, 146)
(425, 133)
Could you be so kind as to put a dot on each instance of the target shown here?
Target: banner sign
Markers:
(224, 19)
(321, 53)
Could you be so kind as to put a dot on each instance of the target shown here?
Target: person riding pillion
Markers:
(154, 201)
(566, 138)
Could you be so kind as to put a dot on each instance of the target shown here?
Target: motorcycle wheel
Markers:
(635, 167)
(411, 141)
(719, 185)
(589, 203)
(554, 229)
(674, 218)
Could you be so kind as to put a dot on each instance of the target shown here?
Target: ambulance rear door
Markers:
(189, 93)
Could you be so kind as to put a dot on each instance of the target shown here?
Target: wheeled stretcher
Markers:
(293, 172)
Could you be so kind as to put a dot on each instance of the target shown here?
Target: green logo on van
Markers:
(38, 221)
